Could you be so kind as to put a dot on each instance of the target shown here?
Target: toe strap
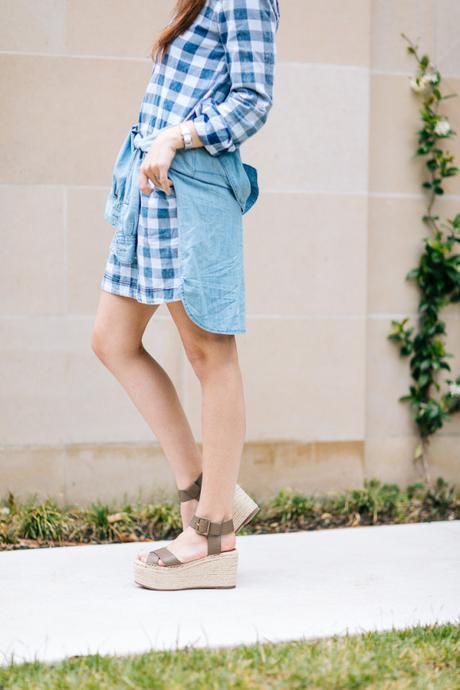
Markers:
(165, 554)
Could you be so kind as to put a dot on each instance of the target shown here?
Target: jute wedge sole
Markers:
(216, 570)
(211, 572)
(244, 508)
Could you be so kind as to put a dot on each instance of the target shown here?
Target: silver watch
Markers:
(186, 136)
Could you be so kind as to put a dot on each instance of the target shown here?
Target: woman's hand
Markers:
(158, 159)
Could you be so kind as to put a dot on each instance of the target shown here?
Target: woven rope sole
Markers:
(244, 508)
(216, 572)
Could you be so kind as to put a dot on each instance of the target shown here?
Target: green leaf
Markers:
(405, 398)
(413, 273)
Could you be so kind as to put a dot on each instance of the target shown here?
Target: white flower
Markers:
(424, 81)
(419, 84)
(454, 389)
(433, 78)
(442, 127)
(432, 74)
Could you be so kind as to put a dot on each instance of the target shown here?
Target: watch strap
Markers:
(186, 136)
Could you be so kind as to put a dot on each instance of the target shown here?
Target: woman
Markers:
(210, 89)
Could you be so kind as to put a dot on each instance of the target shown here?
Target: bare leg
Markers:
(215, 361)
(117, 340)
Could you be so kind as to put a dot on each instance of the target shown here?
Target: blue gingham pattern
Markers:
(153, 277)
(219, 74)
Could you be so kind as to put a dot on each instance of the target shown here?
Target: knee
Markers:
(110, 348)
(100, 344)
(209, 357)
(199, 359)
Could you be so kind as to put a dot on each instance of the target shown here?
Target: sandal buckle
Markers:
(202, 525)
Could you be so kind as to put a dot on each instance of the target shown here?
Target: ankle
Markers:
(185, 480)
(213, 514)
(187, 510)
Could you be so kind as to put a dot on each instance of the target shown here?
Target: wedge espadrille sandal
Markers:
(244, 508)
(217, 570)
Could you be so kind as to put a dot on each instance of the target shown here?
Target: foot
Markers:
(187, 511)
(190, 545)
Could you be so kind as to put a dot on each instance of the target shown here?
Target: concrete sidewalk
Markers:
(78, 600)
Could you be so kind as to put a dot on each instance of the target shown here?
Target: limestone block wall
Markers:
(327, 247)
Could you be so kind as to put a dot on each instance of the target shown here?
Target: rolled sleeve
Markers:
(247, 31)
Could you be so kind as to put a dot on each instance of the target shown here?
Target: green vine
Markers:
(437, 275)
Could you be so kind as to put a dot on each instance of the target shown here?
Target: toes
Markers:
(142, 556)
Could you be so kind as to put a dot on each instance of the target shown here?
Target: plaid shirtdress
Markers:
(219, 75)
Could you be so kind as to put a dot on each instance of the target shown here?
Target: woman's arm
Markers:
(247, 30)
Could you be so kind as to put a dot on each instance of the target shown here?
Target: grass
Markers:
(32, 524)
(422, 658)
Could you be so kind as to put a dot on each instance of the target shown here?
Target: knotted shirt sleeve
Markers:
(247, 31)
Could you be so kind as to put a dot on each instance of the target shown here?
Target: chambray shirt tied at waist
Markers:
(197, 165)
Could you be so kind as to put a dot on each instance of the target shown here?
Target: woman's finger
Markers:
(158, 180)
(144, 183)
(150, 171)
(159, 175)
(165, 182)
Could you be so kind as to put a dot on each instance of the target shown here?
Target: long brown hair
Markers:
(185, 13)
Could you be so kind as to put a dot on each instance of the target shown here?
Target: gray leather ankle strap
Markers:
(192, 491)
(213, 531)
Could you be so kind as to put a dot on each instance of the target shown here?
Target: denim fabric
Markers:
(213, 193)
(219, 74)
(123, 201)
